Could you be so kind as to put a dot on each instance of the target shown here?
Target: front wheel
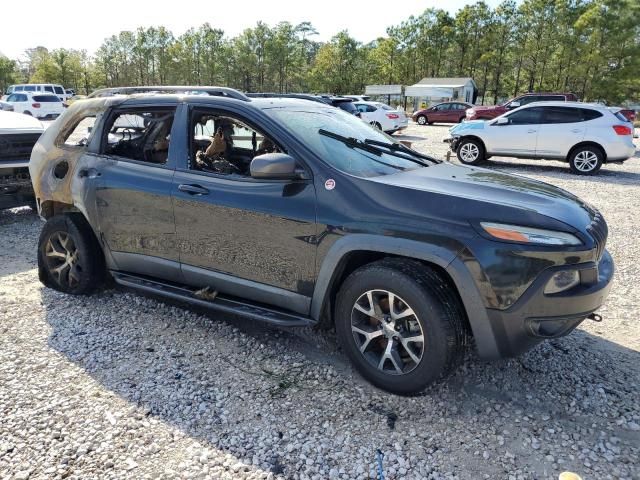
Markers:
(422, 120)
(69, 257)
(586, 160)
(400, 324)
(470, 151)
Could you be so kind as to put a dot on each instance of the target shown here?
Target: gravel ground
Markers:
(121, 386)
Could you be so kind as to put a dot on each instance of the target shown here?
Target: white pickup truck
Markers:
(18, 134)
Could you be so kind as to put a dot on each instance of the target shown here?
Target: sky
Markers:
(83, 24)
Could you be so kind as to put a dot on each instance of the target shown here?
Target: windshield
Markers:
(307, 123)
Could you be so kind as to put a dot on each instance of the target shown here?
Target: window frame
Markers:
(123, 109)
(194, 109)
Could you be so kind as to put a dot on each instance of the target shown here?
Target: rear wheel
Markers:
(377, 125)
(400, 324)
(422, 120)
(69, 257)
(27, 112)
(586, 160)
(470, 151)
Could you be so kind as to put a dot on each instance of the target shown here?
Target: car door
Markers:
(561, 129)
(242, 236)
(517, 137)
(133, 175)
(440, 113)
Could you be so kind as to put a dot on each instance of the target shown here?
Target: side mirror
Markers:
(514, 104)
(502, 121)
(274, 166)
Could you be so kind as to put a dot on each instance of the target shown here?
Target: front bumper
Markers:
(537, 316)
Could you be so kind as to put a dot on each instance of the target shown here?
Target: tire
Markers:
(461, 119)
(27, 112)
(377, 125)
(422, 120)
(586, 160)
(470, 151)
(70, 259)
(437, 315)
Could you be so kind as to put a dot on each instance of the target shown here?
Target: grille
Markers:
(17, 146)
(598, 230)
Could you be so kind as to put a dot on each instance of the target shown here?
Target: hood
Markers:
(492, 187)
(11, 122)
(467, 126)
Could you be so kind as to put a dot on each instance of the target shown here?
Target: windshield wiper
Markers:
(355, 143)
(351, 142)
(395, 147)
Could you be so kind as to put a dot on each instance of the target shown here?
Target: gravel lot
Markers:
(121, 386)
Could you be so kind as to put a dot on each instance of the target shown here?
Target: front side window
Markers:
(225, 145)
(527, 116)
(142, 135)
(59, 90)
(528, 99)
(347, 107)
(443, 108)
(19, 88)
(307, 124)
(29, 88)
(362, 108)
(553, 98)
(48, 88)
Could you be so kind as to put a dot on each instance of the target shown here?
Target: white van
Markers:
(39, 88)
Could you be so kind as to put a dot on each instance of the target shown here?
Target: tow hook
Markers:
(595, 317)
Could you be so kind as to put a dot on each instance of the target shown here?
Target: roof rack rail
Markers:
(302, 96)
(214, 91)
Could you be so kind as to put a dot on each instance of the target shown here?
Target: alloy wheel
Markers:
(469, 152)
(586, 161)
(61, 256)
(387, 332)
(422, 120)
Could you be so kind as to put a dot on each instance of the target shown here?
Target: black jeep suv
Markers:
(296, 213)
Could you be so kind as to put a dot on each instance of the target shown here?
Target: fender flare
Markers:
(443, 257)
(438, 255)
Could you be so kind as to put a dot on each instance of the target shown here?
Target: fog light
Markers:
(562, 281)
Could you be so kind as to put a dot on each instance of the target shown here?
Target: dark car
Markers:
(447, 112)
(343, 103)
(259, 207)
(493, 111)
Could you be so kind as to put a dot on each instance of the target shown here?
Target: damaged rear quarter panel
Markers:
(69, 192)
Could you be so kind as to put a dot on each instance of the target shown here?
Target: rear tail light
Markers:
(392, 115)
(622, 130)
(35, 105)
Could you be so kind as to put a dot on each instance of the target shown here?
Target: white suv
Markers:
(583, 134)
(39, 105)
(54, 88)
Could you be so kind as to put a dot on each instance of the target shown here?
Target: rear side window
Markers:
(142, 135)
(588, 114)
(347, 107)
(59, 90)
(46, 98)
(30, 88)
(80, 134)
(562, 115)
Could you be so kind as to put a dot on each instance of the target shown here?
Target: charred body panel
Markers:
(290, 244)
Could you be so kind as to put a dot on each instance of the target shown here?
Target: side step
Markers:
(221, 303)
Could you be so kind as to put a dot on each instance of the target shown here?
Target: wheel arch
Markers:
(472, 137)
(354, 251)
(51, 208)
(588, 143)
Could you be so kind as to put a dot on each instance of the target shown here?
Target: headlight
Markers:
(561, 281)
(516, 233)
(470, 112)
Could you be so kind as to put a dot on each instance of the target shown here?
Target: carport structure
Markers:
(430, 90)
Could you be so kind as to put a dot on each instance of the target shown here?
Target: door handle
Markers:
(193, 189)
(576, 130)
(532, 131)
(89, 173)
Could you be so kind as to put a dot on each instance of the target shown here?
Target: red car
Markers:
(448, 112)
(493, 111)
